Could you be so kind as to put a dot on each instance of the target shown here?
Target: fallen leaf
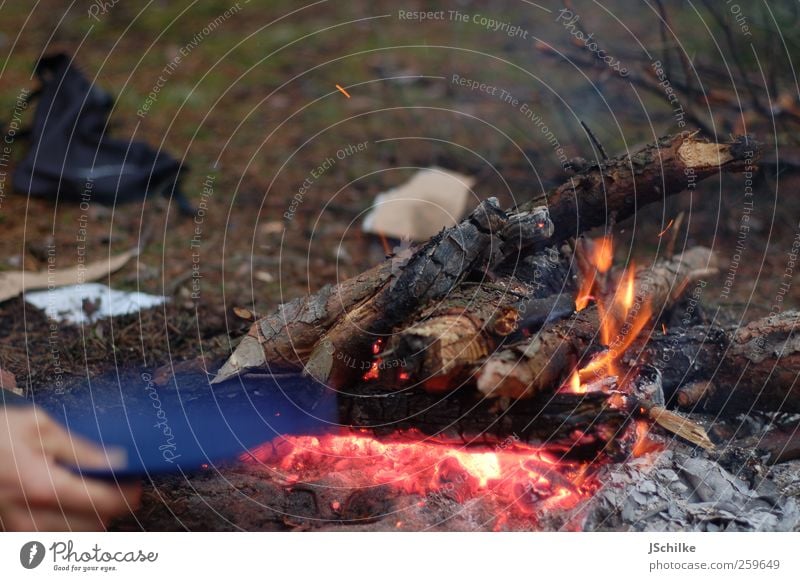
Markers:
(15, 283)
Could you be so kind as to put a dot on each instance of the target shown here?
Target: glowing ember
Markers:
(666, 228)
(514, 474)
(374, 370)
(377, 365)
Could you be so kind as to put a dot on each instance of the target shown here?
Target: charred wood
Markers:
(340, 323)
(731, 371)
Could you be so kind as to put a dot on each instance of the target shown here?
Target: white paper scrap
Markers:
(66, 304)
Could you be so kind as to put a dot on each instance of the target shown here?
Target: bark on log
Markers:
(620, 186)
(755, 367)
(287, 337)
(487, 236)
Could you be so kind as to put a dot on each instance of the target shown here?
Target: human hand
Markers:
(37, 489)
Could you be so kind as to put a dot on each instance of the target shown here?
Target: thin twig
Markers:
(734, 50)
(596, 141)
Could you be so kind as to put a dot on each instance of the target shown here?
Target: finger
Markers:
(73, 450)
(76, 494)
(132, 491)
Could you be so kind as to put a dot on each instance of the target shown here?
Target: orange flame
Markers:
(627, 300)
(644, 445)
(599, 254)
(623, 314)
(574, 384)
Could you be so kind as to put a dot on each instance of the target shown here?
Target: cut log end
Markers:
(248, 355)
(700, 154)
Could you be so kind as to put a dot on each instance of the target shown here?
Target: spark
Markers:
(664, 231)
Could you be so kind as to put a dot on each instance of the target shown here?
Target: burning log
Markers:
(730, 370)
(576, 426)
(429, 275)
(288, 336)
(547, 359)
(459, 332)
(619, 186)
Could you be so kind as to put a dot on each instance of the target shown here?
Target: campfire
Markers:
(524, 480)
(513, 362)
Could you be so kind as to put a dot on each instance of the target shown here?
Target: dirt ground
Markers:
(253, 110)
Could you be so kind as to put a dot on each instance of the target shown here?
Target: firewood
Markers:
(286, 337)
(678, 425)
(644, 392)
(691, 393)
(459, 332)
(429, 275)
(331, 332)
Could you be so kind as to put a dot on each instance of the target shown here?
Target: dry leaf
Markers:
(14, 283)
